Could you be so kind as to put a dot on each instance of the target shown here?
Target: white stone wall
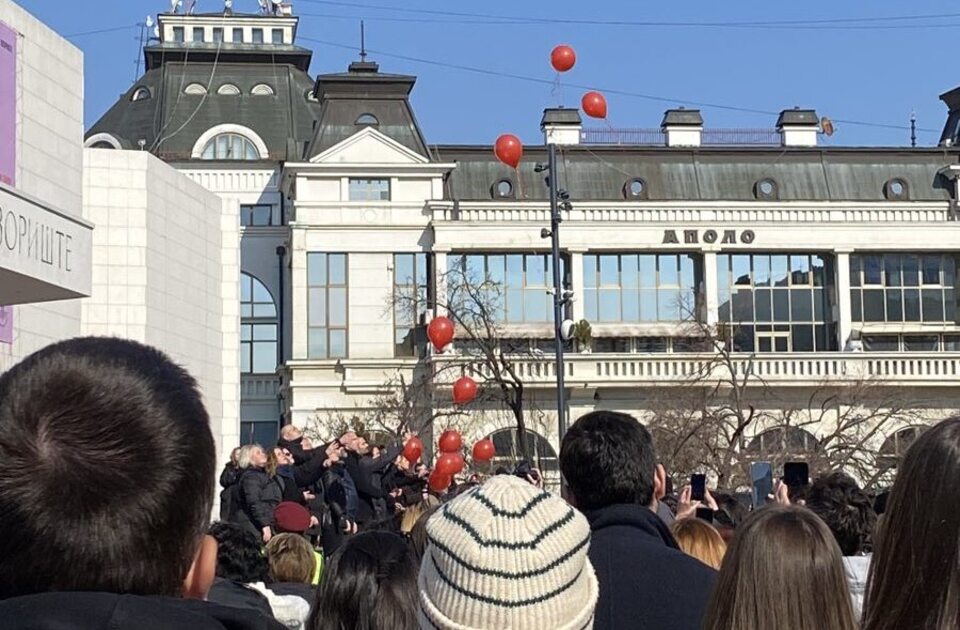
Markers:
(49, 158)
(166, 272)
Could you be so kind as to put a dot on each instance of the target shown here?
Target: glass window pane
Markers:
(265, 332)
(894, 305)
(741, 269)
(496, 269)
(649, 345)
(629, 272)
(631, 305)
(246, 332)
(820, 272)
(609, 305)
(589, 271)
(872, 269)
(668, 305)
(316, 269)
(931, 269)
(265, 358)
(317, 307)
(514, 305)
(891, 267)
(536, 271)
(246, 288)
(799, 269)
(687, 272)
(949, 271)
(764, 307)
(590, 304)
(648, 305)
(534, 306)
(761, 270)
(403, 269)
(801, 305)
(245, 364)
(781, 305)
(911, 305)
(264, 310)
(778, 271)
(609, 271)
(260, 293)
(911, 271)
(856, 305)
(873, 305)
(803, 339)
(648, 271)
(950, 305)
(338, 307)
(669, 270)
(855, 264)
(514, 277)
(317, 343)
(338, 344)
(881, 343)
(338, 268)
(743, 307)
(933, 305)
(951, 343)
(925, 343)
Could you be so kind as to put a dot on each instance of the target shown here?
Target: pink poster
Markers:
(8, 105)
(6, 324)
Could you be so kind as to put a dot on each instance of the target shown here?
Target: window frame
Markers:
(249, 149)
(367, 186)
(908, 287)
(250, 209)
(416, 330)
(685, 292)
(251, 322)
(325, 286)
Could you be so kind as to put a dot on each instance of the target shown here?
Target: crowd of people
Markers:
(108, 485)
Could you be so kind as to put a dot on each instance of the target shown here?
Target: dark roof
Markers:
(682, 117)
(345, 96)
(284, 120)
(560, 116)
(730, 174)
(797, 116)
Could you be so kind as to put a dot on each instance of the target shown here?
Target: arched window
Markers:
(784, 442)
(196, 89)
(539, 451)
(262, 89)
(230, 146)
(228, 89)
(258, 327)
(367, 120)
(141, 94)
(896, 445)
(102, 141)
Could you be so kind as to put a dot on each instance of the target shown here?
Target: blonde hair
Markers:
(413, 513)
(291, 559)
(701, 540)
(243, 459)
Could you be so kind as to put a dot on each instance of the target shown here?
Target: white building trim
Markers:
(103, 137)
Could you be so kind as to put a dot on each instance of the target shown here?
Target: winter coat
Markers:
(230, 495)
(78, 610)
(259, 495)
(646, 582)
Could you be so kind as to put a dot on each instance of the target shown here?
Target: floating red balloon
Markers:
(450, 441)
(594, 105)
(464, 390)
(562, 58)
(440, 332)
(438, 482)
(508, 150)
(484, 450)
(412, 450)
(449, 464)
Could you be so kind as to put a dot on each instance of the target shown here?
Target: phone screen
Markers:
(796, 474)
(705, 514)
(698, 487)
(762, 475)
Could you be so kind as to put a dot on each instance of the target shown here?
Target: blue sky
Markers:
(877, 71)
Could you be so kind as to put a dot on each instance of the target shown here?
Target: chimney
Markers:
(561, 126)
(798, 127)
(682, 127)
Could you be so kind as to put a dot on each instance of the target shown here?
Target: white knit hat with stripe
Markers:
(507, 556)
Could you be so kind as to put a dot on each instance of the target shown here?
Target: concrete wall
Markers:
(49, 158)
(166, 273)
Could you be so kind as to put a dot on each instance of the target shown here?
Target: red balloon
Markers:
(412, 450)
(450, 441)
(562, 58)
(484, 450)
(449, 464)
(440, 332)
(438, 482)
(594, 105)
(508, 150)
(464, 390)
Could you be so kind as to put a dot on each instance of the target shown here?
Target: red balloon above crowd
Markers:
(412, 450)
(440, 332)
(464, 390)
(594, 105)
(563, 58)
(450, 441)
(484, 450)
(508, 150)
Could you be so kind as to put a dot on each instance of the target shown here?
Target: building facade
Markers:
(814, 267)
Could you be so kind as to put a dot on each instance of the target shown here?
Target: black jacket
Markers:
(230, 495)
(76, 610)
(366, 473)
(259, 495)
(646, 582)
(236, 595)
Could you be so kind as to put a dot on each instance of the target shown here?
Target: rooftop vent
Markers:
(798, 127)
(682, 127)
(561, 126)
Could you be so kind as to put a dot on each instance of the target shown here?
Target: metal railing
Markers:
(657, 137)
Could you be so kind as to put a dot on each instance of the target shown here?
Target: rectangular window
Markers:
(217, 35)
(238, 36)
(412, 287)
(327, 306)
(369, 190)
(259, 432)
(178, 34)
(903, 288)
(276, 36)
(256, 215)
(513, 287)
(640, 287)
(257, 35)
(198, 34)
(780, 302)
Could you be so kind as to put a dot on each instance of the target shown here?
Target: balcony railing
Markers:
(656, 137)
(259, 386)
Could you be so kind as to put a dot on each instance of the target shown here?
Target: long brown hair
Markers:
(914, 578)
(700, 540)
(782, 570)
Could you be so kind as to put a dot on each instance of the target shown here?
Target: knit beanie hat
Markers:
(507, 556)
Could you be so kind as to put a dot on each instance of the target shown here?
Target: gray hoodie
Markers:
(856, 568)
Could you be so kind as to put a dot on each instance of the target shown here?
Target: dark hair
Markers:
(239, 555)
(369, 584)
(914, 577)
(108, 470)
(845, 508)
(607, 457)
(730, 511)
(783, 570)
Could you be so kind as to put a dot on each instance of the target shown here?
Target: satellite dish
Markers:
(827, 125)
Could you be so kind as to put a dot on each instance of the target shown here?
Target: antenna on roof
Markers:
(913, 129)
(363, 43)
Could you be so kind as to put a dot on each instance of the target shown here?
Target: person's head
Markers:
(699, 539)
(371, 583)
(497, 556)
(845, 508)
(234, 456)
(291, 517)
(291, 559)
(252, 456)
(282, 456)
(413, 513)
(607, 458)
(915, 573)
(290, 433)
(348, 439)
(107, 456)
(783, 570)
(239, 557)
(729, 515)
(418, 533)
